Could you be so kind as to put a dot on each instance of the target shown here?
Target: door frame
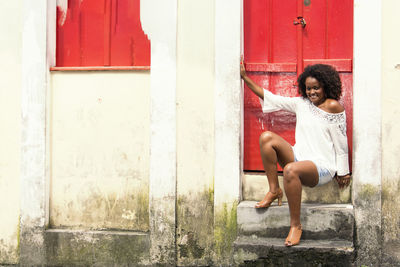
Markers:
(367, 166)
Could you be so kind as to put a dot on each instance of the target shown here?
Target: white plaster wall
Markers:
(99, 149)
(367, 93)
(367, 134)
(391, 89)
(195, 96)
(391, 127)
(159, 22)
(228, 99)
(10, 121)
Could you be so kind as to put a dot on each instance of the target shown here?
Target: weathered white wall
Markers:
(367, 134)
(10, 121)
(33, 181)
(195, 130)
(195, 95)
(159, 21)
(99, 149)
(228, 96)
(87, 111)
(228, 99)
(391, 128)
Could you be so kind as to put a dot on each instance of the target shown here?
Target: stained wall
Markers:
(99, 150)
(390, 132)
(10, 121)
(99, 138)
(195, 131)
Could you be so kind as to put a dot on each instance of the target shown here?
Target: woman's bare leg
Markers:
(274, 149)
(295, 175)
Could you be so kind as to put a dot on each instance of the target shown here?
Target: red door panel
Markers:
(129, 44)
(282, 35)
(276, 50)
(92, 29)
(101, 33)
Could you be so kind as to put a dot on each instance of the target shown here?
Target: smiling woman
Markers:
(320, 75)
(321, 151)
(321, 84)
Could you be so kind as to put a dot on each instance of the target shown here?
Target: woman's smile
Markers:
(314, 91)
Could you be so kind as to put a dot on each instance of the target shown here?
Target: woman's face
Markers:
(314, 91)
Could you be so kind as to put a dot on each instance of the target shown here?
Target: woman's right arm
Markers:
(270, 102)
(259, 91)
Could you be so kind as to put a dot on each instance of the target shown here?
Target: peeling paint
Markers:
(62, 7)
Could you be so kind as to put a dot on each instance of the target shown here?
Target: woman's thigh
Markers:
(306, 170)
(283, 149)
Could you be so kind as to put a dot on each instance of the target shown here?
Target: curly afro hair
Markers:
(326, 75)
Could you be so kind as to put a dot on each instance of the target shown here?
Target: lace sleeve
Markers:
(274, 102)
(339, 139)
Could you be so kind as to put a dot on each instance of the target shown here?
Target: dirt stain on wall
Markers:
(128, 211)
(195, 224)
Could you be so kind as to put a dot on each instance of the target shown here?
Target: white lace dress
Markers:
(320, 135)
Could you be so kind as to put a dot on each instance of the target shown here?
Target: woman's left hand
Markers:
(343, 181)
(242, 68)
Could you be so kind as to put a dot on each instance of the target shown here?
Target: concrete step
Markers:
(255, 186)
(252, 251)
(319, 221)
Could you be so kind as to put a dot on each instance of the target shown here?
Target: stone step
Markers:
(252, 251)
(255, 186)
(319, 221)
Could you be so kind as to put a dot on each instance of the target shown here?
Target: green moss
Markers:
(368, 192)
(225, 231)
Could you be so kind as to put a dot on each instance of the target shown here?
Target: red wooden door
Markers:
(101, 33)
(277, 46)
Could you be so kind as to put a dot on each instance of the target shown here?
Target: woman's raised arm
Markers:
(259, 91)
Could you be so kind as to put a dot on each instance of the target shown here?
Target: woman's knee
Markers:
(266, 138)
(290, 172)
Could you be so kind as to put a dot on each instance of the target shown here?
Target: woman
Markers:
(320, 153)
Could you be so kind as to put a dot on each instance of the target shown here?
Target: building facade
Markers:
(145, 167)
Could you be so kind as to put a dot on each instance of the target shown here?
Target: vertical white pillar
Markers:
(228, 101)
(228, 121)
(159, 21)
(367, 166)
(33, 139)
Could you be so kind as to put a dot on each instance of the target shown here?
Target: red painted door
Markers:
(281, 37)
(101, 33)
